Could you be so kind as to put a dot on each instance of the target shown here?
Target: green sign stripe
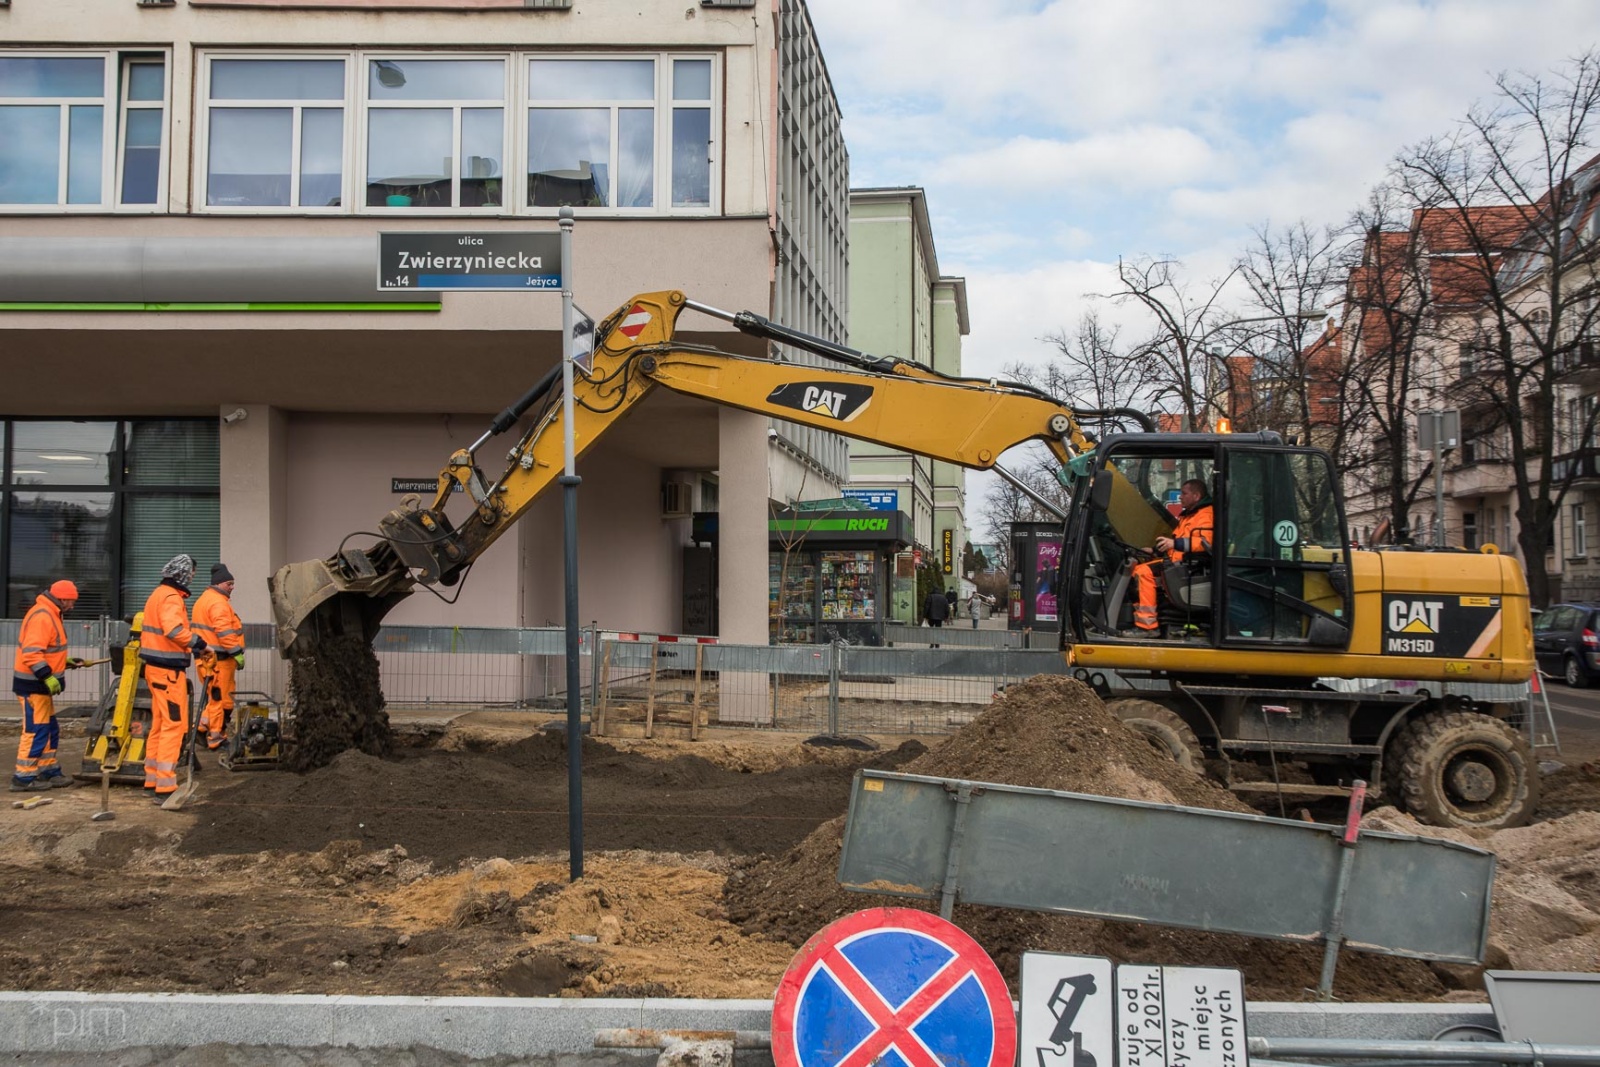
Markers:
(420, 305)
(851, 525)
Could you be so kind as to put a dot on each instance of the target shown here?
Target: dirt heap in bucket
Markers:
(337, 694)
(1053, 732)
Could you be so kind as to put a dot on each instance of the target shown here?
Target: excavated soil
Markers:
(441, 869)
(338, 695)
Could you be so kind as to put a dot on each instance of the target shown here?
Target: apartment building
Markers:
(195, 351)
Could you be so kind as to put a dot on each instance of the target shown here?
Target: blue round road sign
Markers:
(893, 987)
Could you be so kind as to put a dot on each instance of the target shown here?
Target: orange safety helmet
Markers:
(64, 590)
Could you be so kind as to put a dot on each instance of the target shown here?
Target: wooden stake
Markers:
(650, 694)
(601, 705)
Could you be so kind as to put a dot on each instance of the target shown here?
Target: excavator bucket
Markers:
(318, 598)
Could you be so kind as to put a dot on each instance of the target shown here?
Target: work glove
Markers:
(238, 660)
(197, 643)
(74, 662)
(52, 684)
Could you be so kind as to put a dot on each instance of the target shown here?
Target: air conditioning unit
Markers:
(677, 500)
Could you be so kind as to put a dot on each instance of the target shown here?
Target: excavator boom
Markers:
(966, 421)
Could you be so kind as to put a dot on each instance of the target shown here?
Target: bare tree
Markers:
(1089, 368)
(1518, 186)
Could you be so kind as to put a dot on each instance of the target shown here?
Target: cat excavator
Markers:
(1259, 629)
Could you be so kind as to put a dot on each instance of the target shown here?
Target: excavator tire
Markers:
(1464, 769)
(1164, 729)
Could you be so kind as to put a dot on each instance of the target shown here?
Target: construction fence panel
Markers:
(960, 634)
(838, 689)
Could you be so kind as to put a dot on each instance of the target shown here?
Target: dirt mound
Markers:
(447, 806)
(1054, 733)
(337, 694)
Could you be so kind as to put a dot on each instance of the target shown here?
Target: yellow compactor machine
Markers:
(1252, 627)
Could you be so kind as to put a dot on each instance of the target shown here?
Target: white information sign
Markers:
(1180, 1017)
(1065, 1020)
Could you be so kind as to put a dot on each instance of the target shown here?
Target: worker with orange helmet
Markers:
(1193, 534)
(220, 626)
(38, 675)
(165, 645)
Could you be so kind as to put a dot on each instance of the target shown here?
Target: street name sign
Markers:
(490, 261)
(893, 986)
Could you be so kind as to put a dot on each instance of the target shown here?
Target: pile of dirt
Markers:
(1545, 914)
(1054, 733)
(444, 806)
(337, 693)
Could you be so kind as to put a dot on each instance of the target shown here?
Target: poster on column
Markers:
(1044, 583)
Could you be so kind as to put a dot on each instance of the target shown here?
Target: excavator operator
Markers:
(1194, 533)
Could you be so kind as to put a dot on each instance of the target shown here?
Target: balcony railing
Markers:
(1582, 465)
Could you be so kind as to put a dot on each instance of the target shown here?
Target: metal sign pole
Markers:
(1438, 479)
(569, 509)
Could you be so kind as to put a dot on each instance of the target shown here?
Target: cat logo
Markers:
(836, 401)
(1415, 616)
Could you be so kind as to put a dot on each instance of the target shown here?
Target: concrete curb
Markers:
(484, 1027)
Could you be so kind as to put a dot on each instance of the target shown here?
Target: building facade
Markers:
(901, 305)
(196, 355)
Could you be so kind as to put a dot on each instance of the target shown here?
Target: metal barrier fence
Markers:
(960, 634)
(835, 688)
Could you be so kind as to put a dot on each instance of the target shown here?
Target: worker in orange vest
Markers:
(38, 674)
(165, 646)
(1193, 533)
(217, 622)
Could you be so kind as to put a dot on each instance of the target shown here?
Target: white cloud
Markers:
(1137, 157)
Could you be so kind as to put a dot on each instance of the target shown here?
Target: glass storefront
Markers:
(105, 503)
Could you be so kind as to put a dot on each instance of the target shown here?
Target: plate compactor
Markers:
(121, 723)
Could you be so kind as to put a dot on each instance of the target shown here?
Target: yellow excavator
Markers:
(1252, 625)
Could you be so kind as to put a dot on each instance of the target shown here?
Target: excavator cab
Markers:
(1272, 572)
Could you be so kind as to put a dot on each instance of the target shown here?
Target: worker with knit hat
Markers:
(217, 622)
(38, 674)
(165, 645)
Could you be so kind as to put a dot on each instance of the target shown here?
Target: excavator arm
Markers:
(879, 399)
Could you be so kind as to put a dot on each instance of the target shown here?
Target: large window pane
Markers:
(277, 79)
(436, 79)
(30, 166)
(147, 81)
(691, 157)
(321, 156)
(85, 152)
(158, 526)
(250, 157)
(141, 156)
(691, 79)
(408, 157)
(591, 79)
(63, 453)
(636, 152)
(568, 151)
(60, 535)
(172, 452)
(23, 76)
(482, 141)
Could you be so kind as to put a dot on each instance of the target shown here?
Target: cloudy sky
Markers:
(1054, 137)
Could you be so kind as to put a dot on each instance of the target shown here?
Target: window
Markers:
(1467, 358)
(105, 504)
(1469, 529)
(1580, 531)
(524, 134)
(435, 132)
(275, 133)
(82, 131)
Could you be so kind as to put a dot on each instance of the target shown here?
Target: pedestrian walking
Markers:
(975, 608)
(165, 644)
(38, 675)
(950, 600)
(936, 608)
(220, 627)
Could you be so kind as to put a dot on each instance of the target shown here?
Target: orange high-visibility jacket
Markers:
(217, 622)
(166, 639)
(41, 648)
(1194, 532)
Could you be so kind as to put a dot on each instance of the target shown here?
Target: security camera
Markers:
(772, 433)
(235, 415)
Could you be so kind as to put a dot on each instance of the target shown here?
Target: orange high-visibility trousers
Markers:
(36, 752)
(1144, 615)
(169, 722)
(218, 674)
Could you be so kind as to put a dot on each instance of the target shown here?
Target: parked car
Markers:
(1566, 642)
